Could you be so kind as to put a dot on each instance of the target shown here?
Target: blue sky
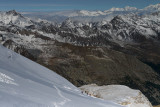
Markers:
(57, 5)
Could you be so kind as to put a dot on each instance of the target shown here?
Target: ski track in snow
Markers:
(63, 97)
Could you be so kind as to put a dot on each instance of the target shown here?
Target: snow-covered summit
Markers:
(13, 12)
(23, 82)
(152, 8)
(13, 17)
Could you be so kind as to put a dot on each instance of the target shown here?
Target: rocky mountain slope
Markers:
(156, 106)
(124, 50)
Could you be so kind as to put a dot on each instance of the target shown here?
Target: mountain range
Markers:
(117, 46)
(60, 16)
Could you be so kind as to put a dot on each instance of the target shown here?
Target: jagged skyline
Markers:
(57, 5)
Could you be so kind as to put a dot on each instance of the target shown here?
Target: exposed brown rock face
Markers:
(148, 52)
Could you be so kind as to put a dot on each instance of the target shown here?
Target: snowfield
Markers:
(24, 83)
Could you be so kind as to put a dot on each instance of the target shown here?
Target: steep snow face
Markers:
(119, 94)
(24, 83)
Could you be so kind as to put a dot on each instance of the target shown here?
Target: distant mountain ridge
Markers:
(53, 16)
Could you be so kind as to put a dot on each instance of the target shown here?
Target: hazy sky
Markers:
(56, 5)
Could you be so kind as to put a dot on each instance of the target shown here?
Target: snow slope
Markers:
(24, 83)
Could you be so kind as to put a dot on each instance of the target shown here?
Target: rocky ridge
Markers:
(117, 93)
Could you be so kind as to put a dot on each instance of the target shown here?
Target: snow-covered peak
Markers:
(68, 23)
(152, 8)
(13, 12)
(13, 17)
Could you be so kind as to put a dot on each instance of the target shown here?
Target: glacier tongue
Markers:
(24, 83)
